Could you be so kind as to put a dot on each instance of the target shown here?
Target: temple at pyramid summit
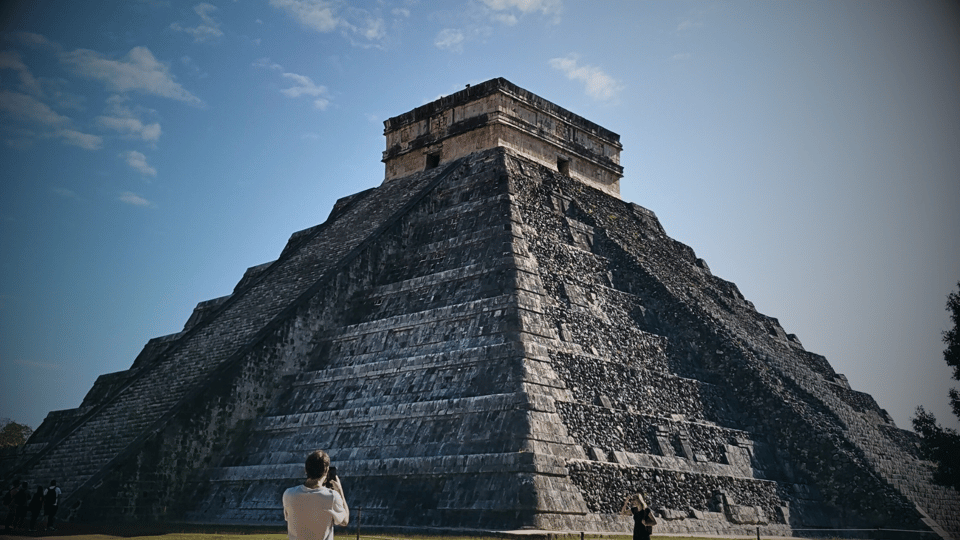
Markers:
(491, 339)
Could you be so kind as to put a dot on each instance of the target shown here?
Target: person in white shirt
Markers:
(313, 508)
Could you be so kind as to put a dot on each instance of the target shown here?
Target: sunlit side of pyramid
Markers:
(491, 339)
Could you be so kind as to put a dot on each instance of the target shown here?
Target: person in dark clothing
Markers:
(643, 520)
(22, 501)
(36, 505)
(8, 503)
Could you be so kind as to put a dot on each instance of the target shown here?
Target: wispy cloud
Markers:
(506, 11)
(599, 85)
(80, 139)
(694, 18)
(207, 30)
(266, 63)
(369, 28)
(126, 121)
(450, 39)
(39, 104)
(479, 20)
(28, 84)
(34, 40)
(133, 199)
(30, 110)
(363, 28)
(139, 162)
(131, 126)
(304, 86)
(138, 71)
(315, 14)
(38, 365)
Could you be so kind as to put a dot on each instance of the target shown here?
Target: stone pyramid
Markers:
(491, 339)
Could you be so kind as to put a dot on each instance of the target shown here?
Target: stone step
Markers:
(466, 311)
(375, 365)
(438, 408)
(421, 377)
(453, 274)
(508, 462)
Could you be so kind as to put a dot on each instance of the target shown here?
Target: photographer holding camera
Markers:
(312, 509)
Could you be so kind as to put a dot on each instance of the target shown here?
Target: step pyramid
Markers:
(491, 339)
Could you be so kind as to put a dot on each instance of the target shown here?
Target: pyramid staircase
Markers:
(175, 371)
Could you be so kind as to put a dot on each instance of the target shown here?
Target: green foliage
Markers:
(13, 434)
(952, 337)
(938, 444)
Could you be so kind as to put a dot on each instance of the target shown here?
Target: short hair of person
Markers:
(317, 465)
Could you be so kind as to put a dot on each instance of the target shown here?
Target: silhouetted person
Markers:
(8, 503)
(36, 505)
(51, 503)
(22, 502)
(643, 520)
(312, 509)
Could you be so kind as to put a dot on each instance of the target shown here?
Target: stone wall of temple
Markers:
(495, 114)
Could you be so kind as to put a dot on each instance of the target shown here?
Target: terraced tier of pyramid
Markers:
(494, 340)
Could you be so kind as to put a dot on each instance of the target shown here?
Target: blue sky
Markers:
(151, 151)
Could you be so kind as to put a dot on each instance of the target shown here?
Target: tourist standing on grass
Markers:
(643, 520)
(312, 509)
(51, 503)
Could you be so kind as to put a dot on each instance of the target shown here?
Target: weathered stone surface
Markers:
(490, 344)
(498, 113)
